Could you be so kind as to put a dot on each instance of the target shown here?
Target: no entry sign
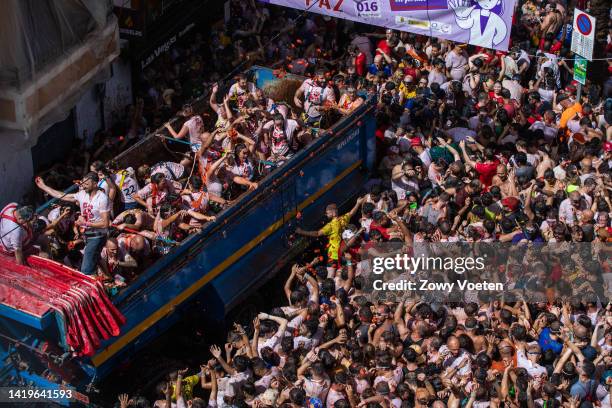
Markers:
(583, 34)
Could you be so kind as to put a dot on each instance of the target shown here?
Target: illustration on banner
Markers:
(482, 18)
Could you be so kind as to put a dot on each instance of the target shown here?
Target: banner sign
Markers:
(485, 23)
(131, 22)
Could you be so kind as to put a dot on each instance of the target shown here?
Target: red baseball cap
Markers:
(607, 147)
(511, 202)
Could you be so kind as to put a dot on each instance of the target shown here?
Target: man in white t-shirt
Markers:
(94, 219)
(241, 90)
(315, 92)
(16, 230)
(529, 360)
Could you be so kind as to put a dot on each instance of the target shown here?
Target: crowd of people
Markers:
(474, 146)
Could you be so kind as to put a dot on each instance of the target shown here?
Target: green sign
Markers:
(580, 69)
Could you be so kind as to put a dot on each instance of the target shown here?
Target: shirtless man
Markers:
(552, 22)
(505, 180)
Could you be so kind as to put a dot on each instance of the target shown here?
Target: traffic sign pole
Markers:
(583, 37)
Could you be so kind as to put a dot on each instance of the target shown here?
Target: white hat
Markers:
(348, 234)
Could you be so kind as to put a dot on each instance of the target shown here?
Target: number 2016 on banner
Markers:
(367, 8)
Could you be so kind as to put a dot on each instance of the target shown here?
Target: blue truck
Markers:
(218, 268)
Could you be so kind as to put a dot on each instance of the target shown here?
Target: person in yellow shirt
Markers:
(407, 88)
(333, 230)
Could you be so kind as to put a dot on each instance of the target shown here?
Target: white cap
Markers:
(348, 234)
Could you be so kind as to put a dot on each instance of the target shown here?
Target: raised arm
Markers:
(289, 282)
(255, 340)
(466, 158)
(213, 99)
(53, 192)
(216, 352)
(356, 207)
(215, 166)
(450, 148)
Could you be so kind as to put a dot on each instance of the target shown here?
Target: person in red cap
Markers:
(423, 152)
(511, 204)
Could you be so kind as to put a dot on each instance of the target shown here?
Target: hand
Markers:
(228, 347)
(183, 372)
(215, 351)
(253, 186)
(124, 400)
(323, 319)
(39, 182)
(474, 390)
(256, 323)
(443, 394)
(342, 337)
(211, 363)
(168, 389)
(80, 221)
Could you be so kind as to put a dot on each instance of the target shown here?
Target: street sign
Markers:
(583, 34)
(580, 70)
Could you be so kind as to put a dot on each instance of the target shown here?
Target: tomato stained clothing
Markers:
(92, 207)
(244, 169)
(315, 96)
(282, 137)
(486, 171)
(170, 170)
(127, 185)
(195, 126)
(13, 236)
(240, 94)
(333, 231)
(156, 194)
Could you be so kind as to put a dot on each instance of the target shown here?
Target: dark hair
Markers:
(93, 176)
(129, 219)
(241, 363)
(297, 396)
(157, 178)
(196, 182)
